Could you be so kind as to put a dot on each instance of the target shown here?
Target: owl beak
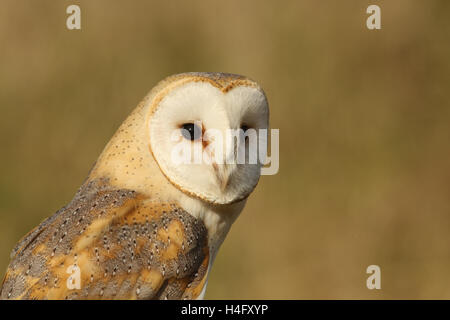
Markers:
(222, 174)
(223, 170)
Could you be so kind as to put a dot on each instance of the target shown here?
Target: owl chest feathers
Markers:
(125, 245)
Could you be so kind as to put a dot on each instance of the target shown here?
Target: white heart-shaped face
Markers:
(195, 139)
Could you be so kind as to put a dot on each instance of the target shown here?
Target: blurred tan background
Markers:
(364, 119)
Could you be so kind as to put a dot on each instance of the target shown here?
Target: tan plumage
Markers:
(134, 229)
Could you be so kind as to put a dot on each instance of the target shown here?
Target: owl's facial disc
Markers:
(195, 139)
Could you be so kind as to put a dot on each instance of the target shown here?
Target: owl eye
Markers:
(191, 131)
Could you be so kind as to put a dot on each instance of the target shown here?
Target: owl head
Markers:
(202, 131)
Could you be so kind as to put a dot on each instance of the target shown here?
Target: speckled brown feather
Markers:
(126, 246)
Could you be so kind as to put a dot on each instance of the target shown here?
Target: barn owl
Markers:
(140, 226)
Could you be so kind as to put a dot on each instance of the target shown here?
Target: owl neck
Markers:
(218, 219)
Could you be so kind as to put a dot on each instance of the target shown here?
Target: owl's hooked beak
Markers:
(223, 169)
(223, 174)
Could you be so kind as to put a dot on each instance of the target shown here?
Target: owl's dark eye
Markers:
(191, 131)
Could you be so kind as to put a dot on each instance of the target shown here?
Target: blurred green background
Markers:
(364, 119)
